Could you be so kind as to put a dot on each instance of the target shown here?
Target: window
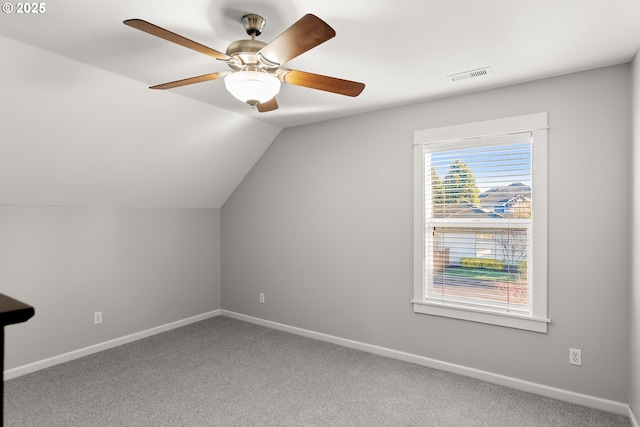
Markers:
(481, 222)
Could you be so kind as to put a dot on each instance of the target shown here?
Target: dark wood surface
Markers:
(14, 311)
(11, 311)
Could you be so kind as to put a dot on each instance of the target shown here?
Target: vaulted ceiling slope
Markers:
(75, 135)
(80, 126)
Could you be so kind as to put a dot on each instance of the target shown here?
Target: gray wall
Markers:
(141, 267)
(634, 333)
(323, 226)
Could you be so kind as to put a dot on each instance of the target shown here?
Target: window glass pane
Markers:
(458, 273)
(492, 181)
(478, 211)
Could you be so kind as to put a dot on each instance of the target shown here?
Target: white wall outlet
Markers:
(575, 356)
(97, 317)
(262, 298)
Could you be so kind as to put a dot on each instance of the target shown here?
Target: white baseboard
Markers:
(76, 354)
(515, 383)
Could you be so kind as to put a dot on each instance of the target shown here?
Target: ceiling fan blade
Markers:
(154, 30)
(305, 34)
(317, 81)
(191, 80)
(270, 105)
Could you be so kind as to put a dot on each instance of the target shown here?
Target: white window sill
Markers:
(508, 320)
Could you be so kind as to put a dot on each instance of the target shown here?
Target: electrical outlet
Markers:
(262, 298)
(97, 317)
(575, 356)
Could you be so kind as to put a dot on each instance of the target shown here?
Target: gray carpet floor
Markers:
(224, 372)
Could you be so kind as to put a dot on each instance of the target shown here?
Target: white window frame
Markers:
(537, 320)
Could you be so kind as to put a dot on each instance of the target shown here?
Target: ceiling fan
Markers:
(257, 73)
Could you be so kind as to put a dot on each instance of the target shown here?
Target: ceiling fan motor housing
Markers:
(244, 52)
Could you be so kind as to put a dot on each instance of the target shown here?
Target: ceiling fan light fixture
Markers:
(252, 87)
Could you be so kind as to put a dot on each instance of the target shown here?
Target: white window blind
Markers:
(481, 222)
(478, 215)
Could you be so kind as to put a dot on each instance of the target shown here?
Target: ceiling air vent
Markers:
(470, 74)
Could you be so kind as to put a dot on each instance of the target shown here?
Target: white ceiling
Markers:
(403, 50)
